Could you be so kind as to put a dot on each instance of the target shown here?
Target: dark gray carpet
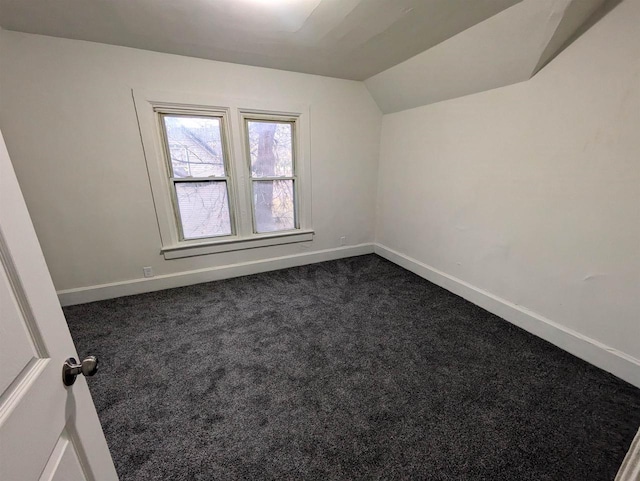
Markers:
(352, 369)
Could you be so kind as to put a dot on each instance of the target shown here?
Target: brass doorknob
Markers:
(70, 369)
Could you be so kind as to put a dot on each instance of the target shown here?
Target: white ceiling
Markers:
(351, 39)
(510, 47)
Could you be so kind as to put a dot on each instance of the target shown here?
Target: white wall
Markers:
(529, 195)
(68, 118)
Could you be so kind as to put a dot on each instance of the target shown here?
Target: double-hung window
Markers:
(270, 144)
(225, 175)
(195, 151)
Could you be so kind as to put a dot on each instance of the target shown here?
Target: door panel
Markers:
(64, 463)
(17, 349)
(39, 416)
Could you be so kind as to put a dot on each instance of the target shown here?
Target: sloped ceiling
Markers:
(409, 52)
(351, 39)
(507, 48)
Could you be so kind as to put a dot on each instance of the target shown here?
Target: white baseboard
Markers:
(605, 357)
(112, 290)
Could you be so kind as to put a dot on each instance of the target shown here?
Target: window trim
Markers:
(147, 103)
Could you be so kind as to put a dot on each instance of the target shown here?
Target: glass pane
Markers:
(204, 209)
(273, 205)
(195, 146)
(270, 148)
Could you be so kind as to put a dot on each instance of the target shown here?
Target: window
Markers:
(272, 166)
(194, 150)
(217, 188)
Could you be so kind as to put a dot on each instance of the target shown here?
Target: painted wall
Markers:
(531, 192)
(68, 118)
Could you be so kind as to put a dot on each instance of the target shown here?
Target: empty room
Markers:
(320, 240)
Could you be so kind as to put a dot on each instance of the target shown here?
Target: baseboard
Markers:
(138, 286)
(594, 352)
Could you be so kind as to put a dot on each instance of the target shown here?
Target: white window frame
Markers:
(234, 113)
(222, 116)
(246, 117)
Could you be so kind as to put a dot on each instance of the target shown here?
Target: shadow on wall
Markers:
(590, 22)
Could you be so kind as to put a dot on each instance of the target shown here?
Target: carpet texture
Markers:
(350, 369)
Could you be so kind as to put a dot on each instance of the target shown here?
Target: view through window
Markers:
(198, 175)
(199, 171)
(272, 174)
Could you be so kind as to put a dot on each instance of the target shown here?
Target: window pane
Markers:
(195, 146)
(270, 148)
(273, 205)
(204, 209)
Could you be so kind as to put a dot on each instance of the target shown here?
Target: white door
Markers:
(47, 431)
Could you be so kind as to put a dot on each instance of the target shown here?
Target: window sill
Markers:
(235, 244)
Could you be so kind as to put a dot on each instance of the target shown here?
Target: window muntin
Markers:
(272, 168)
(198, 174)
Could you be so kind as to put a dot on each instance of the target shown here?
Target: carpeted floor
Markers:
(350, 369)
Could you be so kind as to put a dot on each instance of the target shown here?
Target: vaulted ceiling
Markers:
(409, 52)
(351, 39)
(507, 48)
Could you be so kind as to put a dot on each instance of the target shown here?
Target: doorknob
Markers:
(70, 369)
